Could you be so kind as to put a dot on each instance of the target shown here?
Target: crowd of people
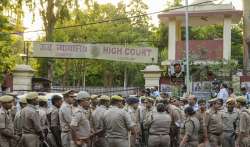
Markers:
(79, 119)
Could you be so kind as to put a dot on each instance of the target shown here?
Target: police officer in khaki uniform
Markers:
(173, 111)
(117, 124)
(17, 120)
(213, 124)
(176, 102)
(158, 124)
(243, 139)
(132, 109)
(80, 125)
(13, 110)
(7, 137)
(230, 119)
(145, 112)
(93, 106)
(65, 116)
(101, 109)
(32, 134)
(54, 123)
(200, 116)
(94, 101)
(43, 109)
(191, 129)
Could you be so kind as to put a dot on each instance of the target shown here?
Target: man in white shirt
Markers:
(223, 93)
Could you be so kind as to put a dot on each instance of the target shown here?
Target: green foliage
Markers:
(6, 61)
(123, 32)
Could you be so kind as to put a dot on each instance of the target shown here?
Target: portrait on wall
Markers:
(177, 74)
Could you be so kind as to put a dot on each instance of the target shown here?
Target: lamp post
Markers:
(187, 49)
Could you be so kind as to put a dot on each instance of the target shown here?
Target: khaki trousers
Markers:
(228, 140)
(30, 140)
(116, 142)
(66, 138)
(214, 140)
(159, 141)
(101, 142)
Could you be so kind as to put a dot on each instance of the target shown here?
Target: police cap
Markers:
(69, 92)
(149, 99)
(104, 97)
(23, 99)
(6, 98)
(241, 99)
(213, 100)
(230, 100)
(94, 96)
(132, 100)
(32, 96)
(83, 95)
(42, 98)
(117, 97)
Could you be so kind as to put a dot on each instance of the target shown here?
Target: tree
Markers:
(246, 30)
(138, 8)
(9, 44)
(99, 72)
(51, 11)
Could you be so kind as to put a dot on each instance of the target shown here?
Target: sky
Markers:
(154, 6)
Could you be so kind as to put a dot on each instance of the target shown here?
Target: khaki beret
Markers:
(213, 100)
(149, 99)
(82, 95)
(32, 95)
(68, 92)
(23, 99)
(116, 97)
(230, 101)
(6, 98)
(241, 99)
(104, 97)
(42, 98)
(94, 96)
(143, 97)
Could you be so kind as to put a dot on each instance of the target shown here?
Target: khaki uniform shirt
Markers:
(192, 127)
(213, 122)
(158, 123)
(117, 123)
(54, 116)
(17, 123)
(97, 116)
(146, 113)
(30, 120)
(175, 115)
(200, 116)
(134, 114)
(65, 116)
(81, 122)
(244, 121)
(13, 112)
(230, 121)
(43, 118)
(6, 124)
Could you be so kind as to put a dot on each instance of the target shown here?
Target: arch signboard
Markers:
(95, 51)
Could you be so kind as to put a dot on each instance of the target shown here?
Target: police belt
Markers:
(66, 131)
(228, 131)
(159, 134)
(32, 133)
(216, 134)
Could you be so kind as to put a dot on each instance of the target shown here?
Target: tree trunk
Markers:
(51, 20)
(246, 30)
(65, 75)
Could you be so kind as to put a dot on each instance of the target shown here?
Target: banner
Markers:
(95, 51)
